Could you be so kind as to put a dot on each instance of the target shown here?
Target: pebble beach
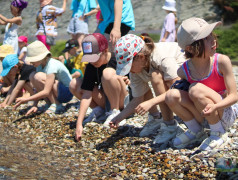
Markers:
(42, 147)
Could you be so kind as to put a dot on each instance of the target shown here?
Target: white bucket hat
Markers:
(169, 5)
(36, 51)
(194, 29)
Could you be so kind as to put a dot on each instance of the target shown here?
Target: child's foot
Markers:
(183, 140)
(215, 140)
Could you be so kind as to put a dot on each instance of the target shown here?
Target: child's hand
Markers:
(143, 108)
(32, 110)
(3, 105)
(20, 101)
(209, 109)
(115, 35)
(78, 133)
(126, 80)
(114, 123)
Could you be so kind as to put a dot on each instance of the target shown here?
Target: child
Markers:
(21, 72)
(47, 21)
(148, 61)
(6, 81)
(89, 90)
(51, 80)
(73, 63)
(78, 25)
(212, 93)
(22, 43)
(118, 19)
(168, 33)
(12, 24)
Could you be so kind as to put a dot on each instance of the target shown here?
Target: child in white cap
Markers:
(168, 32)
(146, 62)
(212, 94)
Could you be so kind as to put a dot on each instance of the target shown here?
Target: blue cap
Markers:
(8, 63)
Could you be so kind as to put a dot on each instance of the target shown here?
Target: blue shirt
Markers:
(54, 66)
(80, 7)
(107, 10)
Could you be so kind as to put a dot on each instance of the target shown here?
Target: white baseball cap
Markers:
(194, 29)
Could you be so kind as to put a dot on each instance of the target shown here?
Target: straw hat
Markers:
(36, 51)
(170, 5)
(5, 50)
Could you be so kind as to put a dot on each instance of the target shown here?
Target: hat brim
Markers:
(123, 69)
(90, 58)
(5, 71)
(168, 8)
(207, 30)
(5, 54)
(66, 50)
(37, 58)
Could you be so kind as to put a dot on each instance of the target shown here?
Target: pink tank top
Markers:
(214, 80)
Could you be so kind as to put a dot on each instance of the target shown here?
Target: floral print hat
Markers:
(125, 50)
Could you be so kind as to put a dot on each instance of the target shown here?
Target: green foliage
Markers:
(228, 39)
(57, 49)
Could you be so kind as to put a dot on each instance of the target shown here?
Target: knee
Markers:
(172, 97)
(37, 77)
(195, 91)
(72, 86)
(108, 74)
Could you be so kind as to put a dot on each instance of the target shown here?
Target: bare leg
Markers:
(38, 81)
(180, 103)
(202, 95)
(160, 88)
(114, 87)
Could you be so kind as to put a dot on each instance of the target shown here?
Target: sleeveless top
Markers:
(11, 36)
(214, 80)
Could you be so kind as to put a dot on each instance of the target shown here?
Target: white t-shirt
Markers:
(49, 19)
(167, 57)
(54, 66)
(20, 51)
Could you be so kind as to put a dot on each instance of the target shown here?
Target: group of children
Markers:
(188, 78)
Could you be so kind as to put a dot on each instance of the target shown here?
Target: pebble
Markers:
(47, 146)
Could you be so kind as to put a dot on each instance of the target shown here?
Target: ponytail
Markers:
(149, 46)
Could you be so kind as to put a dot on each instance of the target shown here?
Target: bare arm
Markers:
(64, 5)
(21, 56)
(15, 91)
(166, 34)
(50, 78)
(16, 20)
(116, 30)
(225, 68)
(5, 102)
(92, 12)
(84, 104)
(144, 107)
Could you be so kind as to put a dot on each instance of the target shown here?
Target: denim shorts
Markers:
(77, 26)
(64, 95)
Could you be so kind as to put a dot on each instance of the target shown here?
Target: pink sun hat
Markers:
(23, 39)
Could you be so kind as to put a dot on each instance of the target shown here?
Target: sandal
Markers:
(211, 143)
(185, 140)
(51, 109)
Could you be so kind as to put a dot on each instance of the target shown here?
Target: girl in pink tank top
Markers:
(212, 93)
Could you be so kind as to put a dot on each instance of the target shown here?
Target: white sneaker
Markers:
(167, 132)
(151, 126)
(112, 113)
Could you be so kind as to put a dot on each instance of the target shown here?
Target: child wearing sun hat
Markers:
(51, 79)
